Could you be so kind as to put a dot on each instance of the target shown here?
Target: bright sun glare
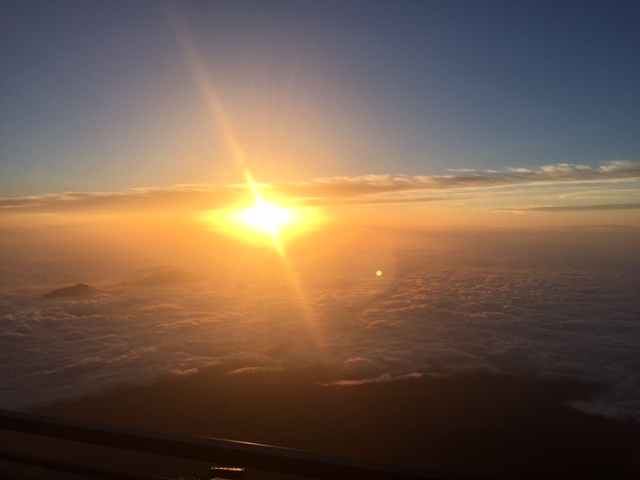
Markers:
(265, 221)
(266, 217)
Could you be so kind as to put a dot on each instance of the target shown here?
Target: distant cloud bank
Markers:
(365, 189)
(577, 208)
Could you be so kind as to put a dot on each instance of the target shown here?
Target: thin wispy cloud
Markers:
(575, 208)
(328, 191)
(550, 174)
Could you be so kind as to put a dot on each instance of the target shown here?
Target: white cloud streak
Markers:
(575, 208)
(365, 189)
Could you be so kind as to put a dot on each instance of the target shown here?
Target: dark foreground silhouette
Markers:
(490, 425)
(77, 290)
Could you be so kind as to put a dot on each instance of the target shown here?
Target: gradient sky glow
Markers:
(110, 96)
(391, 192)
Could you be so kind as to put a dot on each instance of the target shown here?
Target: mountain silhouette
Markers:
(170, 277)
(77, 290)
(153, 269)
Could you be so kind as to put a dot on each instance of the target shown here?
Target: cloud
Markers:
(550, 174)
(544, 307)
(148, 200)
(574, 208)
(185, 373)
(383, 378)
(364, 189)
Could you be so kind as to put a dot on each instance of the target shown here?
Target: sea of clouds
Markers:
(561, 308)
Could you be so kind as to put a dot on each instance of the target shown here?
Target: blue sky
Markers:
(101, 96)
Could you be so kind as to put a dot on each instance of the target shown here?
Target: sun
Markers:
(272, 221)
(266, 221)
(266, 217)
(263, 221)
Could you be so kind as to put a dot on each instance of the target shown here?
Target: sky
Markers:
(390, 190)
(260, 144)
(518, 109)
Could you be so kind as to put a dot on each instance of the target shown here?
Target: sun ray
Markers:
(264, 214)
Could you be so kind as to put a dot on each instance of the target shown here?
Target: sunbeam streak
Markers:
(262, 218)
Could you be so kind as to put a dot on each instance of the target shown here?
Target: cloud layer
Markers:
(538, 308)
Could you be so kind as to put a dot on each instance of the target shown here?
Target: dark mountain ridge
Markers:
(77, 290)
